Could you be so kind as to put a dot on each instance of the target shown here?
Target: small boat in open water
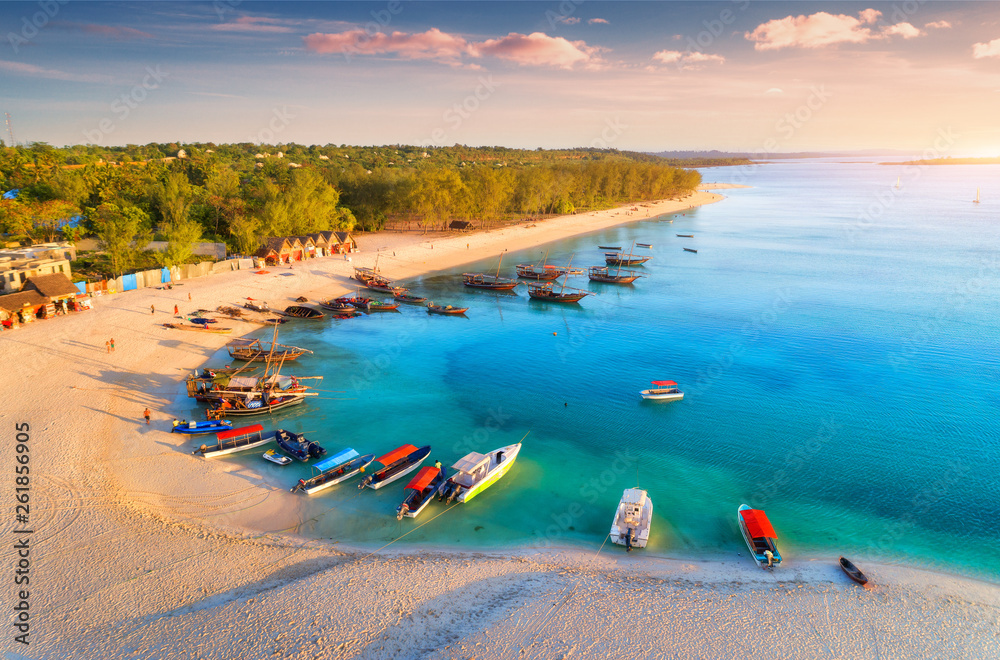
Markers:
(609, 247)
(853, 571)
(663, 390)
(613, 275)
(491, 282)
(549, 292)
(691, 250)
(633, 518)
(445, 309)
(297, 445)
(759, 535)
(476, 472)
(538, 271)
(234, 440)
(397, 464)
(422, 487)
(334, 470)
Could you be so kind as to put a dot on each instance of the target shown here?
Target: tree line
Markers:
(241, 193)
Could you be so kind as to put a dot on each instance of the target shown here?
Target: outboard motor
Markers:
(364, 482)
(401, 511)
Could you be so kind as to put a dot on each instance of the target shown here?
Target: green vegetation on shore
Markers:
(241, 193)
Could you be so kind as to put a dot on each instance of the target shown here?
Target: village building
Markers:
(42, 297)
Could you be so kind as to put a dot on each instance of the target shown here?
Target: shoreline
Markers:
(144, 550)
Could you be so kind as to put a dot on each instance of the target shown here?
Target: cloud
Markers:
(536, 49)
(824, 29)
(52, 74)
(257, 24)
(568, 20)
(112, 31)
(991, 49)
(938, 24)
(775, 90)
(688, 60)
(598, 20)
(539, 49)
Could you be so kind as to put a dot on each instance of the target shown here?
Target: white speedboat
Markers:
(632, 519)
(276, 458)
(476, 472)
(663, 390)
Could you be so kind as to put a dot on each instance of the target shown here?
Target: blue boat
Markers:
(297, 445)
(202, 428)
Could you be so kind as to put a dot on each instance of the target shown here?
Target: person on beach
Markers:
(770, 558)
(176, 311)
(107, 345)
(152, 309)
(189, 296)
(112, 344)
(146, 414)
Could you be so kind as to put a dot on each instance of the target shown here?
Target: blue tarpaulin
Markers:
(165, 275)
(11, 194)
(129, 283)
(81, 286)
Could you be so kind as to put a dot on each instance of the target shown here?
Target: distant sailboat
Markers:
(976, 200)
(897, 183)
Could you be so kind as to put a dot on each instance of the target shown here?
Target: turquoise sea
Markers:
(836, 338)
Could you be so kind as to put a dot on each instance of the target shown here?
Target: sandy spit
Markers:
(140, 550)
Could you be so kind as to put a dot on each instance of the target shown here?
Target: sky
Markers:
(736, 75)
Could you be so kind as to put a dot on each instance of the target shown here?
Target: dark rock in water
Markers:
(571, 528)
(478, 527)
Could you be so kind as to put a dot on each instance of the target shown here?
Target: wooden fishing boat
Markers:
(380, 306)
(613, 276)
(198, 328)
(548, 291)
(538, 271)
(423, 487)
(407, 298)
(334, 470)
(476, 472)
(201, 428)
(691, 250)
(357, 301)
(276, 458)
(491, 282)
(663, 390)
(445, 309)
(255, 407)
(759, 535)
(622, 259)
(632, 520)
(234, 440)
(297, 445)
(363, 274)
(383, 285)
(685, 235)
(257, 351)
(256, 306)
(396, 464)
(644, 245)
(303, 312)
(853, 571)
(617, 248)
(338, 309)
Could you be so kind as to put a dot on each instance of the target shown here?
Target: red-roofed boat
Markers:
(397, 464)
(234, 440)
(422, 489)
(759, 535)
(663, 390)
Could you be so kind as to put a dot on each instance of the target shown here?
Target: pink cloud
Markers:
(938, 24)
(688, 60)
(430, 45)
(598, 20)
(824, 29)
(538, 49)
(991, 49)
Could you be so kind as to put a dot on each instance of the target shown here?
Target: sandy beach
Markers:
(141, 550)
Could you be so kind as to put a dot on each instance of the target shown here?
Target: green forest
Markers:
(241, 193)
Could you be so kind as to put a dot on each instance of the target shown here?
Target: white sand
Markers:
(142, 550)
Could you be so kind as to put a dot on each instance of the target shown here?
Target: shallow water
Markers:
(840, 372)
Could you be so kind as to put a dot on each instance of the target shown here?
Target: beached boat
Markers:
(265, 406)
(358, 301)
(200, 320)
(380, 306)
(276, 458)
(853, 571)
(538, 271)
(633, 518)
(407, 298)
(198, 328)
(256, 306)
(612, 275)
(396, 464)
(202, 428)
(334, 470)
(423, 487)
(297, 445)
(338, 308)
(476, 472)
(257, 351)
(663, 390)
(445, 309)
(691, 250)
(234, 440)
(759, 535)
(549, 292)
(363, 274)
(492, 282)
(383, 285)
(303, 312)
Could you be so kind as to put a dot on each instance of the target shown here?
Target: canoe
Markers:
(691, 250)
(616, 248)
(303, 312)
(198, 328)
(644, 245)
(685, 235)
(853, 571)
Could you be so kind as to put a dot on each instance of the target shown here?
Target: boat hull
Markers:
(640, 533)
(227, 448)
(265, 409)
(356, 467)
(377, 481)
(853, 571)
(204, 428)
(652, 395)
(759, 558)
(510, 453)
(558, 297)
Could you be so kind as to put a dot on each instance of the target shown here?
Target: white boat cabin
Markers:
(472, 469)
